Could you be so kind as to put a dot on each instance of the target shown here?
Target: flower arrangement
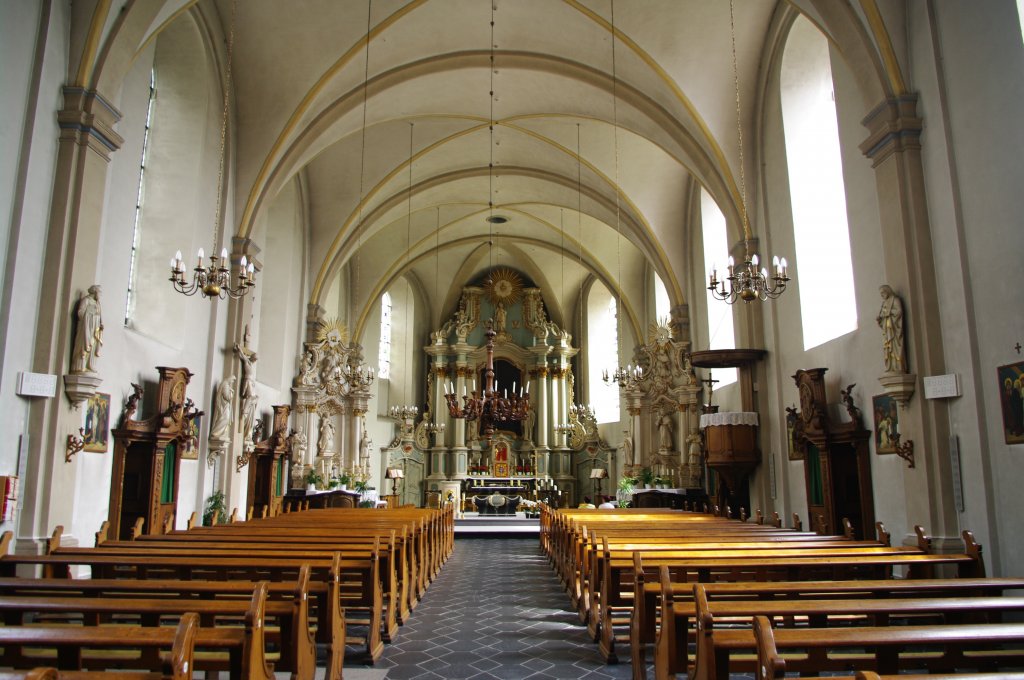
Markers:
(314, 478)
(478, 469)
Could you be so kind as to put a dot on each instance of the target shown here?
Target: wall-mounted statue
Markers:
(88, 332)
(248, 386)
(890, 320)
(223, 408)
(665, 427)
(325, 443)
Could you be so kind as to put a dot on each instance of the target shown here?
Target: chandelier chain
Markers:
(224, 130)
(490, 150)
(362, 155)
(618, 230)
(739, 131)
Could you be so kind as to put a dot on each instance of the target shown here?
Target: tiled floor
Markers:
(495, 611)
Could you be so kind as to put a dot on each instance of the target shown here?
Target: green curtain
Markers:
(280, 476)
(167, 488)
(814, 475)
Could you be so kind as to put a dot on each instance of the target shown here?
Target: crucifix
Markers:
(1017, 347)
(710, 382)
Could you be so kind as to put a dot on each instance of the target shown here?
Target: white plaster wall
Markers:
(977, 251)
(28, 149)
(852, 358)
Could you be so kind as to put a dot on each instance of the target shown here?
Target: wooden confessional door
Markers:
(839, 487)
(135, 490)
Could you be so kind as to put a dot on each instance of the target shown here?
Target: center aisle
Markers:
(495, 611)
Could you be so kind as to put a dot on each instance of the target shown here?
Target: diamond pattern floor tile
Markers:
(495, 612)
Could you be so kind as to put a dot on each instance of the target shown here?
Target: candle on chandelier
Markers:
(223, 254)
(732, 265)
(200, 255)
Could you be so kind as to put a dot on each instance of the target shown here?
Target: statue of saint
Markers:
(665, 432)
(500, 318)
(325, 444)
(248, 385)
(890, 320)
(695, 449)
(364, 446)
(223, 408)
(528, 421)
(627, 448)
(89, 332)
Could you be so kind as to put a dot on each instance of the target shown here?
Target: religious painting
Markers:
(1011, 396)
(887, 423)
(97, 423)
(500, 457)
(190, 447)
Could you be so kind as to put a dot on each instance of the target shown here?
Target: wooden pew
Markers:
(287, 604)
(243, 648)
(678, 606)
(67, 645)
(962, 646)
(327, 578)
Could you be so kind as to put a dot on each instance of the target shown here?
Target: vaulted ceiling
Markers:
(595, 142)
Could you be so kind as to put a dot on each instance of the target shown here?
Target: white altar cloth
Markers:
(728, 418)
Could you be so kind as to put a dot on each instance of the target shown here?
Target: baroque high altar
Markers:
(549, 452)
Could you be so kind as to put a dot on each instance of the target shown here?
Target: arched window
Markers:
(129, 307)
(828, 305)
(384, 349)
(662, 307)
(721, 334)
(602, 352)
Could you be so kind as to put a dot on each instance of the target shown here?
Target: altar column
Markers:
(460, 460)
(439, 412)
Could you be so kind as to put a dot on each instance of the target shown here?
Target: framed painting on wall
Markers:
(97, 423)
(887, 423)
(797, 447)
(1011, 397)
(190, 446)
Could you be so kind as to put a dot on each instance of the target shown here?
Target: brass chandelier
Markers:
(214, 280)
(746, 281)
(489, 406)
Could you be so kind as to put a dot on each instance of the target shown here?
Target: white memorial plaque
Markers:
(941, 386)
(37, 384)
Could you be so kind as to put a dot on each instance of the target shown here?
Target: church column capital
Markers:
(893, 126)
(88, 119)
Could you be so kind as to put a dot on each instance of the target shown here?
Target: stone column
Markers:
(87, 141)
(460, 460)
(894, 147)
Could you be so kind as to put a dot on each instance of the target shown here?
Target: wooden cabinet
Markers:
(268, 467)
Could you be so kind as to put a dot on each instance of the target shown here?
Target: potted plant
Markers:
(647, 477)
(625, 493)
(314, 480)
(214, 506)
(344, 481)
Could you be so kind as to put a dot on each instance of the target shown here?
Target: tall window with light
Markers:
(828, 305)
(132, 273)
(602, 352)
(721, 334)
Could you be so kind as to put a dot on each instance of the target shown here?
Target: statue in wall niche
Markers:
(223, 407)
(88, 332)
(665, 427)
(248, 386)
(890, 320)
(694, 453)
(297, 445)
(325, 444)
(307, 374)
(500, 318)
(628, 455)
(364, 445)
(528, 422)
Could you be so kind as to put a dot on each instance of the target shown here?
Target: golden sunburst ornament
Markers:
(332, 331)
(504, 285)
(659, 333)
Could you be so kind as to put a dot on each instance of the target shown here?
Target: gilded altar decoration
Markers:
(504, 287)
